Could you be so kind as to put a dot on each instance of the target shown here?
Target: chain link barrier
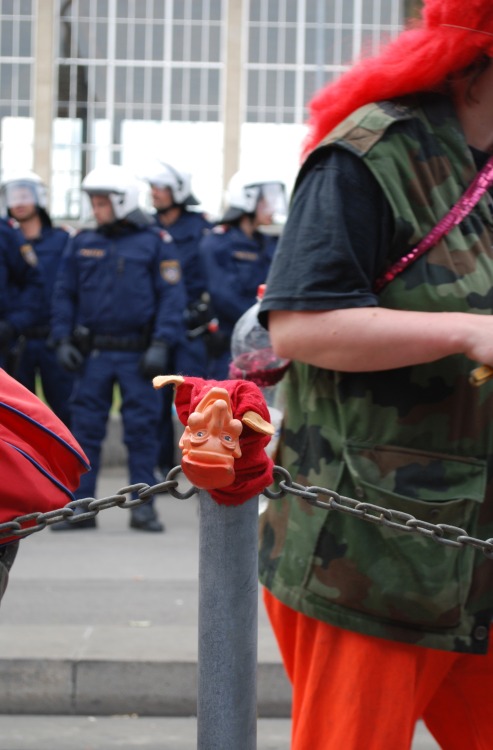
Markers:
(444, 534)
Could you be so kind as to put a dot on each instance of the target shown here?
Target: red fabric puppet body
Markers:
(252, 467)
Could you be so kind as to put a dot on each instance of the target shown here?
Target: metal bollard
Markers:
(228, 621)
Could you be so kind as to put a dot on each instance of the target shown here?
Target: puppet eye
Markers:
(200, 433)
(227, 438)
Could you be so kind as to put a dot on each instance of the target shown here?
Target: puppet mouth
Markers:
(207, 470)
(210, 458)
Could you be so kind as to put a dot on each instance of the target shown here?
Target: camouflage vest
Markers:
(415, 439)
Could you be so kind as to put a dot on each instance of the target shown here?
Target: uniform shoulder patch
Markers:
(170, 271)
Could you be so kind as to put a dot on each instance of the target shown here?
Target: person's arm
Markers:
(229, 281)
(23, 277)
(64, 300)
(170, 294)
(320, 303)
(375, 338)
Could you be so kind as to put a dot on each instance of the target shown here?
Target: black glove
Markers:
(216, 343)
(7, 333)
(197, 316)
(69, 356)
(155, 360)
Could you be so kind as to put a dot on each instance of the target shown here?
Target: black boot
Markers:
(145, 518)
(70, 525)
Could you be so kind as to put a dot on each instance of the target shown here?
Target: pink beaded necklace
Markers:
(482, 181)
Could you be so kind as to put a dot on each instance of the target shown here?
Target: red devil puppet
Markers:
(227, 429)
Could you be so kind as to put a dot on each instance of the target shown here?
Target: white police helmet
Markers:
(245, 191)
(114, 181)
(22, 188)
(179, 182)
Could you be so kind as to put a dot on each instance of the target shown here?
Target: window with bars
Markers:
(153, 63)
(296, 46)
(17, 28)
(162, 58)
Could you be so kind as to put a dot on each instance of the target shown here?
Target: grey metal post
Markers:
(228, 618)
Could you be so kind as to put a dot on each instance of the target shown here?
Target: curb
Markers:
(101, 671)
(104, 688)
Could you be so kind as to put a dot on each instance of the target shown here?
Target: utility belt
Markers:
(37, 332)
(86, 341)
(121, 343)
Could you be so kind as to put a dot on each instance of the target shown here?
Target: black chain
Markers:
(90, 506)
(442, 533)
(448, 536)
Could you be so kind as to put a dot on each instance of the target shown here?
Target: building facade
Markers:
(208, 85)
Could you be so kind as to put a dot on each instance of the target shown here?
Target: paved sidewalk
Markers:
(132, 732)
(104, 622)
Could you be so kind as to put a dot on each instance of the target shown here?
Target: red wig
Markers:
(451, 35)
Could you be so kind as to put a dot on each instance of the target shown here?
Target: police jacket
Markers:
(125, 283)
(47, 251)
(187, 232)
(235, 264)
(19, 274)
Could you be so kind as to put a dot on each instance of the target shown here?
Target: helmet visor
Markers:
(272, 207)
(21, 193)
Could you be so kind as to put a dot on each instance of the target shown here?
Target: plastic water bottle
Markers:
(253, 359)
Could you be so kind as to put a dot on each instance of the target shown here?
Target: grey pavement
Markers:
(134, 732)
(98, 637)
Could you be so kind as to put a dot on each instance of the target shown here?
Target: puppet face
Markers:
(211, 442)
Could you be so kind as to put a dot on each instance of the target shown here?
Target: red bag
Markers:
(40, 460)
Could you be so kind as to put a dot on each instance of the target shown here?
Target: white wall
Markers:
(266, 149)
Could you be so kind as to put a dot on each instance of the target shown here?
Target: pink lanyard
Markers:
(464, 205)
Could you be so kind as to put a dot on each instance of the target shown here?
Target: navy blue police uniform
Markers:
(189, 356)
(36, 353)
(235, 265)
(19, 277)
(118, 293)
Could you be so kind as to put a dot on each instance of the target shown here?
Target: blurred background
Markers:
(208, 85)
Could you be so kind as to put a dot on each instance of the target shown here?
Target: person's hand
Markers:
(155, 360)
(6, 333)
(216, 343)
(69, 356)
(197, 316)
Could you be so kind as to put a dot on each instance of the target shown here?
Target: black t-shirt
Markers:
(336, 240)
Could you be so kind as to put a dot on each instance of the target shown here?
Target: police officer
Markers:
(174, 204)
(19, 278)
(236, 257)
(23, 197)
(118, 310)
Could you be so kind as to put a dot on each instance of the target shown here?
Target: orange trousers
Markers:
(357, 692)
